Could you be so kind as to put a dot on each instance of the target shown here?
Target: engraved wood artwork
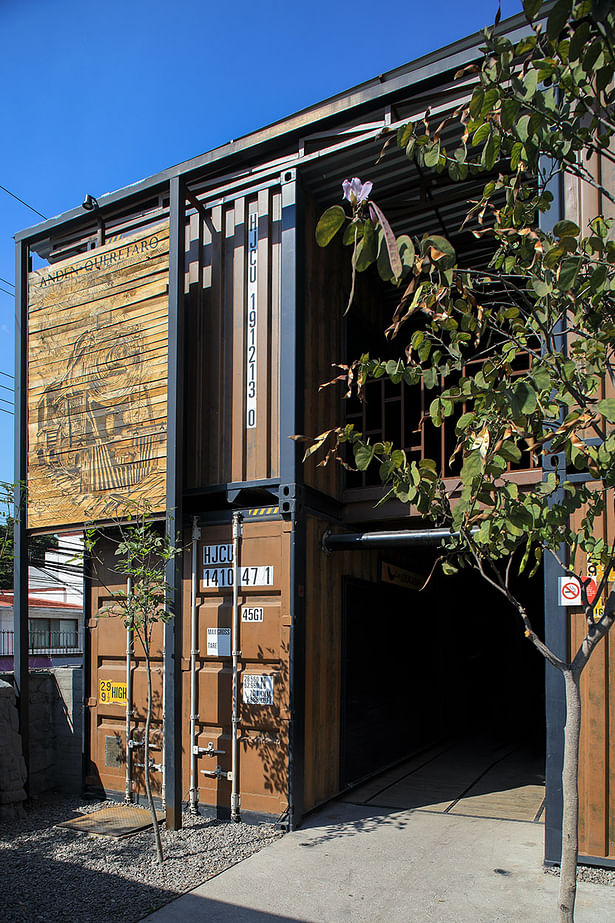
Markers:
(97, 382)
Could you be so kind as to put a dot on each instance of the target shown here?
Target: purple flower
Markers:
(356, 191)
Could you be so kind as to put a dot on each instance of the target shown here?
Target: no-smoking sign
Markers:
(569, 591)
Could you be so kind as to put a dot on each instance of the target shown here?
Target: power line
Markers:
(8, 282)
(6, 375)
(10, 412)
(36, 212)
(6, 291)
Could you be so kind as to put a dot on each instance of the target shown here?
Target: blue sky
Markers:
(100, 95)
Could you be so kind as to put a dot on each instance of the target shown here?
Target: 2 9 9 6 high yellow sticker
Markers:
(112, 693)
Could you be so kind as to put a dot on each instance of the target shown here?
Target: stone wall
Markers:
(12, 766)
(56, 729)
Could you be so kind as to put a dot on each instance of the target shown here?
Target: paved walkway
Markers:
(361, 862)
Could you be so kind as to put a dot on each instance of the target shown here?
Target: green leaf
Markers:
(553, 257)
(435, 412)
(472, 467)
(404, 133)
(489, 100)
(566, 228)
(367, 250)
(510, 111)
(449, 569)
(480, 134)
(464, 421)
(523, 398)
(557, 18)
(430, 378)
(354, 228)
(432, 155)
(406, 251)
(579, 41)
(510, 451)
(329, 224)
(531, 7)
(598, 277)
(363, 455)
(476, 102)
(607, 408)
(491, 152)
(515, 155)
(568, 272)
(541, 287)
(446, 250)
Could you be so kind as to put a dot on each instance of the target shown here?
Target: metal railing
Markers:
(43, 642)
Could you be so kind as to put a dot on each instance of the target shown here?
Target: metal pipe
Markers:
(194, 652)
(129, 652)
(352, 540)
(235, 795)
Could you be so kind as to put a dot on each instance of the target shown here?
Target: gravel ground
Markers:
(597, 876)
(54, 874)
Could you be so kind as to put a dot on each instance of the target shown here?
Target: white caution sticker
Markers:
(258, 689)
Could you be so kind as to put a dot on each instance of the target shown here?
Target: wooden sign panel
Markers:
(97, 382)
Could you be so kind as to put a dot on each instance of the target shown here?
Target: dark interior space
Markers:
(448, 665)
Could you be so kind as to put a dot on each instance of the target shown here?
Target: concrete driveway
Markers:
(356, 862)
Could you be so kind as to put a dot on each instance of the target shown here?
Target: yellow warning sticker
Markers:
(112, 693)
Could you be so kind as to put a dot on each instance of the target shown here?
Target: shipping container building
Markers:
(171, 338)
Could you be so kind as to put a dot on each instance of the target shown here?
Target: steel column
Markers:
(20, 545)
(174, 571)
(556, 622)
(291, 345)
(291, 469)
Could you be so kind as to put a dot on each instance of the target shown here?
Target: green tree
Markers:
(142, 552)
(540, 108)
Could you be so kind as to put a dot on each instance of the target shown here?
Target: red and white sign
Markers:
(569, 591)
(591, 588)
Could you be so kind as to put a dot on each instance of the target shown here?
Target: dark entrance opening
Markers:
(446, 671)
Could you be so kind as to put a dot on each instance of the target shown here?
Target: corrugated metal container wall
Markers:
(106, 704)
(326, 290)
(264, 642)
(232, 358)
(597, 748)
(323, 657)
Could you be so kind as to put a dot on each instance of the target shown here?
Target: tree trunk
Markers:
(570, 799)
(148, 787)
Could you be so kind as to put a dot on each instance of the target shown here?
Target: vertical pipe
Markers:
(129, 643)
(235, 795)
(194, 652)
(20, 563)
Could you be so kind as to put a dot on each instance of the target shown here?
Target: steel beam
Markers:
(174, 523)
(20, 544)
